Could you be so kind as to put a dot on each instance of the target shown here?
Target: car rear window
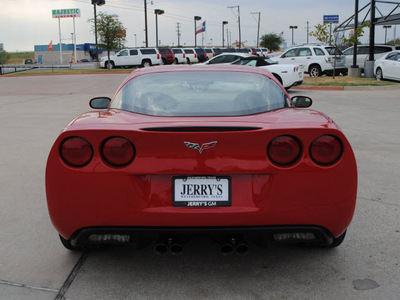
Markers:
(148, 51)
(164, 51)
(177, 51)
(200, 94)
(188, 51)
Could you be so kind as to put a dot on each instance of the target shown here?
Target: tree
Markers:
(355, 37)
(272, 41)
(110, 32)
(394, 42)
(321, 33)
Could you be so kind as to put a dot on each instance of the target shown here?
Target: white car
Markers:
(144, 57)
(388, 66)
(191, 56)
(317, 60)
(287, 75)
(363, 53)
(180, 56)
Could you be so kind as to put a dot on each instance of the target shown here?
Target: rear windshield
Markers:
(201, 93)
(177, 51)
(164, 51)
(148, 51)
(332, 50)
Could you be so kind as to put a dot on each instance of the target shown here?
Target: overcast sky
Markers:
(25, 23)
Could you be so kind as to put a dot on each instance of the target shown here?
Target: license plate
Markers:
(201, 191)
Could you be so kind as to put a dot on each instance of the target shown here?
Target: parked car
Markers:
(167, 56)
(191, 56)
(220, 151)
(287, 75)
(210, 53)
(201, 54)
(315, 59)
(363, 53)
(388, 66)
(143, 57)
(180, 56)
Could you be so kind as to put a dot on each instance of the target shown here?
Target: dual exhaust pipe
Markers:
(175, 248)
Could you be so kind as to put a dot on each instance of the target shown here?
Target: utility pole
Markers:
(179, 32)
(308, 31)
(240, 35)
(258, 28)
(145, 24)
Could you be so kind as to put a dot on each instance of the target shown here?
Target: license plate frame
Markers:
(201, 191)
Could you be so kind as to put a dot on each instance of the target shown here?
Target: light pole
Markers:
(386, 28)
(223, 24)
(95, 3)
(293, 28)
(157, 13)
(135, 39)
(196, 18)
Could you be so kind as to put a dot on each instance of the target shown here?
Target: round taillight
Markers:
(76, 151)
(118, 151)
(326, 150)
(284, 150)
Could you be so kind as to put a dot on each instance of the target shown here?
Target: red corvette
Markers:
(187, 151)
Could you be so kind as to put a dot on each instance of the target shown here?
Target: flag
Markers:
(201, 28)
(50, 46)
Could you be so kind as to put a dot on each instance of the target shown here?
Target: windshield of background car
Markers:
(200, 93)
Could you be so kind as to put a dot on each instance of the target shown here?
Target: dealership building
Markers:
(51, 55)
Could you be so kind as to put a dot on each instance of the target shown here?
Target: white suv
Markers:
(317, 60)
(143, 57)
(363, 53)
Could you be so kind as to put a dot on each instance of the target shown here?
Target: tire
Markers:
(163, 61)
(314, 71)
(146, 63)
(379, 74)
(345, 73)
(112, 65)
(188, 60)
(175, 62)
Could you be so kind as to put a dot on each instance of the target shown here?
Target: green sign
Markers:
(66, 13)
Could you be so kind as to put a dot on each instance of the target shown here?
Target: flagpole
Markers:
(75, 54)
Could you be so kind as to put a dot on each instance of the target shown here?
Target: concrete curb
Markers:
(346, 88)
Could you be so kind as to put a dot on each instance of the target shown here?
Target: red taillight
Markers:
(326, 150)
(205, 55)
(195, 55)
(213, 54)
(184, 55)
(284, 150)
(118, 151)
(158, 56)
(76, 151)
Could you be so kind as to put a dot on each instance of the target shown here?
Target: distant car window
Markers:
(123, 53)
(349, 51)
(164, 51)
(177, 51)
(133, 52)
(208, 50)
(319, 52)
(188, 51)
(290, 53)
(392, 56)
(248, 62)
(200, 94)
(362, 50)
(382, 49)
(305, 52)
(333, 51)
(216, 60)
(148, 51)
(397, 47)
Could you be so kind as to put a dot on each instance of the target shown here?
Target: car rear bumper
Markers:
(261, 235)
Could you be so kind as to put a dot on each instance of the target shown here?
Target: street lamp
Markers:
(157, 13)
(196, 18)
(96, 3)
(293, 28)
(386, 28)
(223, 24)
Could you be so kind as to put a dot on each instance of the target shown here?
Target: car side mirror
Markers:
(100, 102)
(301, 101)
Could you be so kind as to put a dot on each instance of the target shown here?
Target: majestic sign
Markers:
(331, 19)
(66, 13)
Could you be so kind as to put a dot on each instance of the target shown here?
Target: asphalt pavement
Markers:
(34, 264)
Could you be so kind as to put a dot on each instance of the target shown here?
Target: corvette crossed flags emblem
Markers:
(202, 147)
